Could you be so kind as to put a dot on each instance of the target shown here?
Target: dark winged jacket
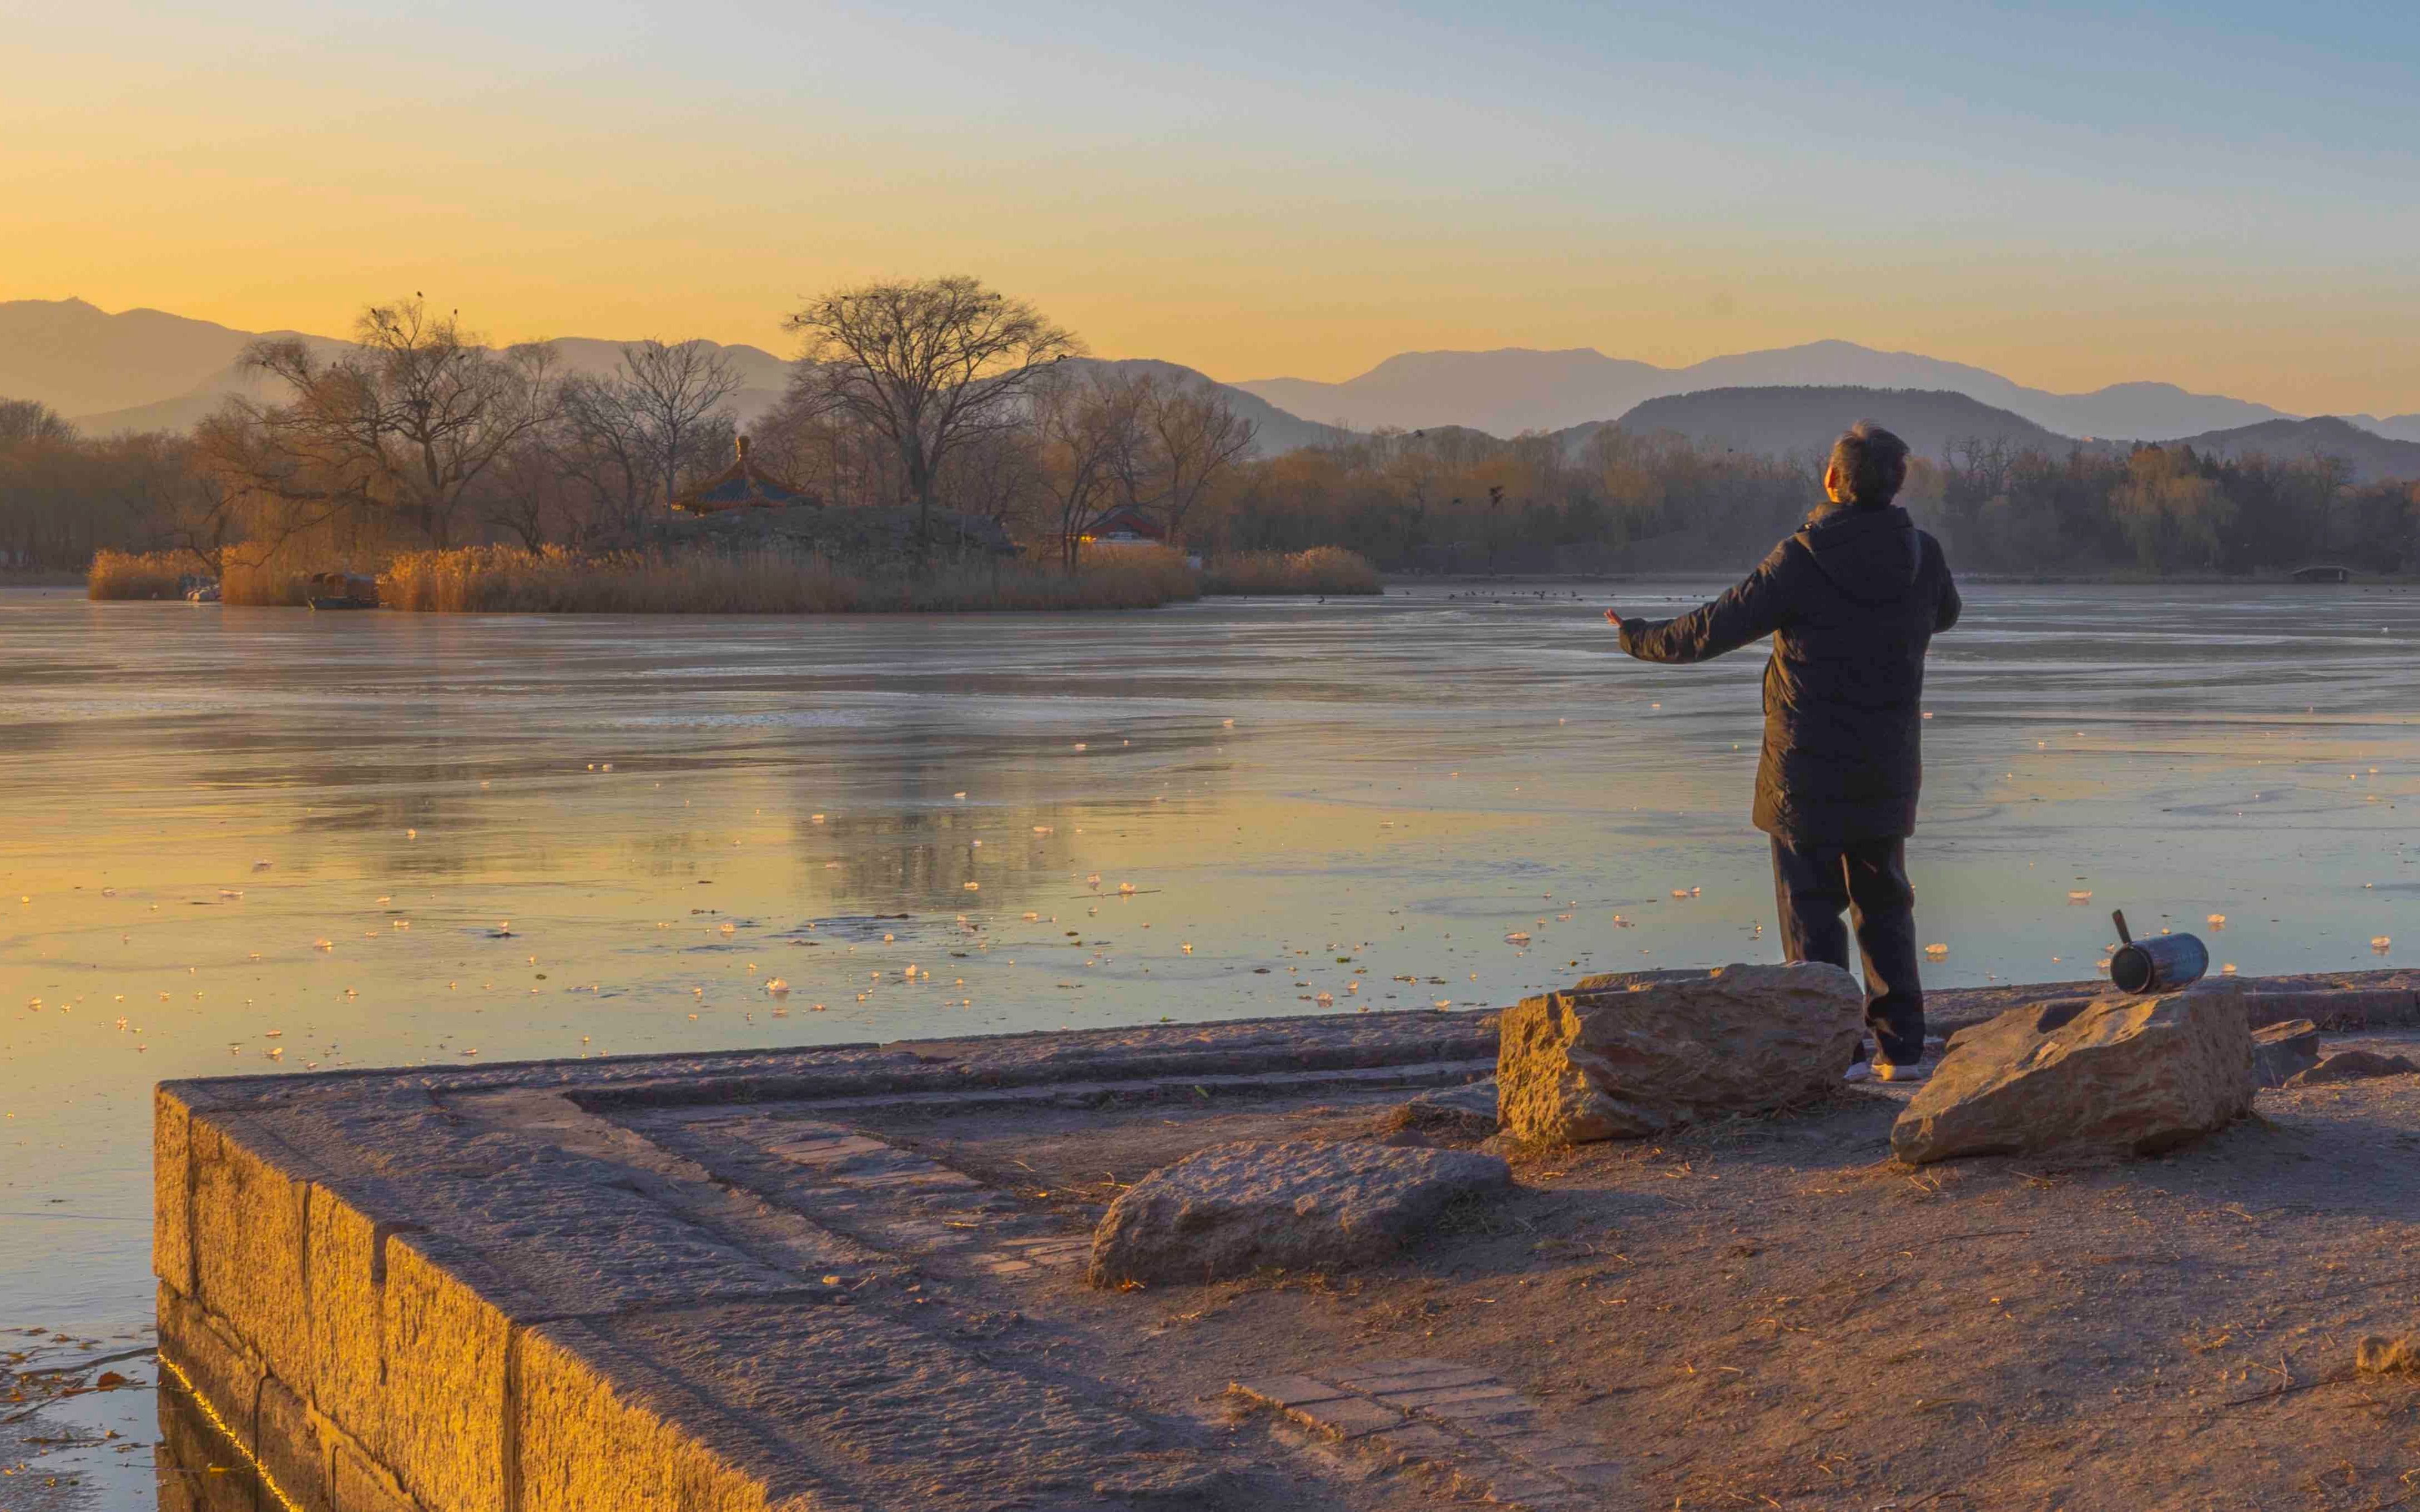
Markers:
(1852, 601)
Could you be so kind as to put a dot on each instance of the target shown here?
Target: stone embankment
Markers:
(856, 1276)
(683, 1283)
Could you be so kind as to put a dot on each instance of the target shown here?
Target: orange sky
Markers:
(1253, 191)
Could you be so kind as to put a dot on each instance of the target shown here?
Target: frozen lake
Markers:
(240, 839)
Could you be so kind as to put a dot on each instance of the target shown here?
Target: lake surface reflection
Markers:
(249, 840)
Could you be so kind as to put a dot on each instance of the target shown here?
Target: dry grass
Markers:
(266, 584)
(1323, 569)
(124, 575)
(494, 580)
(158, 574)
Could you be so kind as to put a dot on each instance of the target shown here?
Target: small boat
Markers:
(346, 602)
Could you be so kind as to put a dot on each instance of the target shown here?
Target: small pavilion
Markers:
(1124, 525)
(743, 485)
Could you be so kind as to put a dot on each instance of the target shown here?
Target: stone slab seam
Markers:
(1452, 1421)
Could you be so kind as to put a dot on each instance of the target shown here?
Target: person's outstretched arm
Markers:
(1750, 612)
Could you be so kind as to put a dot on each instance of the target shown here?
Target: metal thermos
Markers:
(2162, 963)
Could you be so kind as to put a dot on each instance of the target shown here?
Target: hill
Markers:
(1276, 430)
(79, 359)
(762, 376)
(86, 363)
(1512, 390)
(1502, 392)
(2373, 457)
(1781, 420)
(2394, 428)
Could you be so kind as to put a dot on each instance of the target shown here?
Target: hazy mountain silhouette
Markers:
(1276, 431)
(2394, 428)
(2373, 457)
(1502, 392)
(78, 360)
(148, 369)
(762, 376)
(108, 372)
(1787, 421)
(1514, 389)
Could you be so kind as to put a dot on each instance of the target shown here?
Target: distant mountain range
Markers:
(1278, 430)
(1515, 389)
(1801, 420)
(1778, 421)
(149, 370)
(90, 365)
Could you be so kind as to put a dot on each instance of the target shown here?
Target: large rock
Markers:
(2280, 1051)
(1232, 1209)
(2128, 1074)
(1468, 1109)
(1625, 1057)
(2353, 1066)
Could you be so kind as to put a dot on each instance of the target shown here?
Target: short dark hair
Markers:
(1872, 464)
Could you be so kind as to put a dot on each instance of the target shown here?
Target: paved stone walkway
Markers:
(694, 1282)
(1471, 1429)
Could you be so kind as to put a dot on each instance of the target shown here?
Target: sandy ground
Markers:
(1771, 1313)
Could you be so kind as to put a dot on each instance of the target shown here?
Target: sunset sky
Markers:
(2224, 196)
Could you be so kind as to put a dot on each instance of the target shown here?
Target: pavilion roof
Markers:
(742, 485)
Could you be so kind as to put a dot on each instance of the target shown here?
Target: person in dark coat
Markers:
(1851, 602)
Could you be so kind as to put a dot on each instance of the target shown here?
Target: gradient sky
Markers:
(2221, 195)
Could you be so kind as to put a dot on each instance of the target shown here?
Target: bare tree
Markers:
(831, 455)
(678, 391)
(930, 365)
(998, 477)
(410, 420)
(25, 422)
(1195, 437)
(200, 514)
(1087, 425)
(602, 448)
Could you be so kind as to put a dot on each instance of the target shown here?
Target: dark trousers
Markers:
(1812, 884)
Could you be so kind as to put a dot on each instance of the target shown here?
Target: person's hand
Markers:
(1613, 618)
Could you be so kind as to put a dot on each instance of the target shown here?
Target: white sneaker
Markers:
(1861, 1072)
(1885, 1071)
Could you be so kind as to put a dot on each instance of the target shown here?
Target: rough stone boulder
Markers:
(2129, 1074)
(1466, 1110)
(1625, 1057)
(2281, 1050)
(2353, 1066)
(1232, 1209)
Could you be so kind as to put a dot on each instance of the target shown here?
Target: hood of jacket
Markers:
(1872, 555)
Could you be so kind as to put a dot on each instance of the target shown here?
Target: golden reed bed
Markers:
(504, 579)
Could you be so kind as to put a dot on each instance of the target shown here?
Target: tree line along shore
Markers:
(496, 579)
(465, 475)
